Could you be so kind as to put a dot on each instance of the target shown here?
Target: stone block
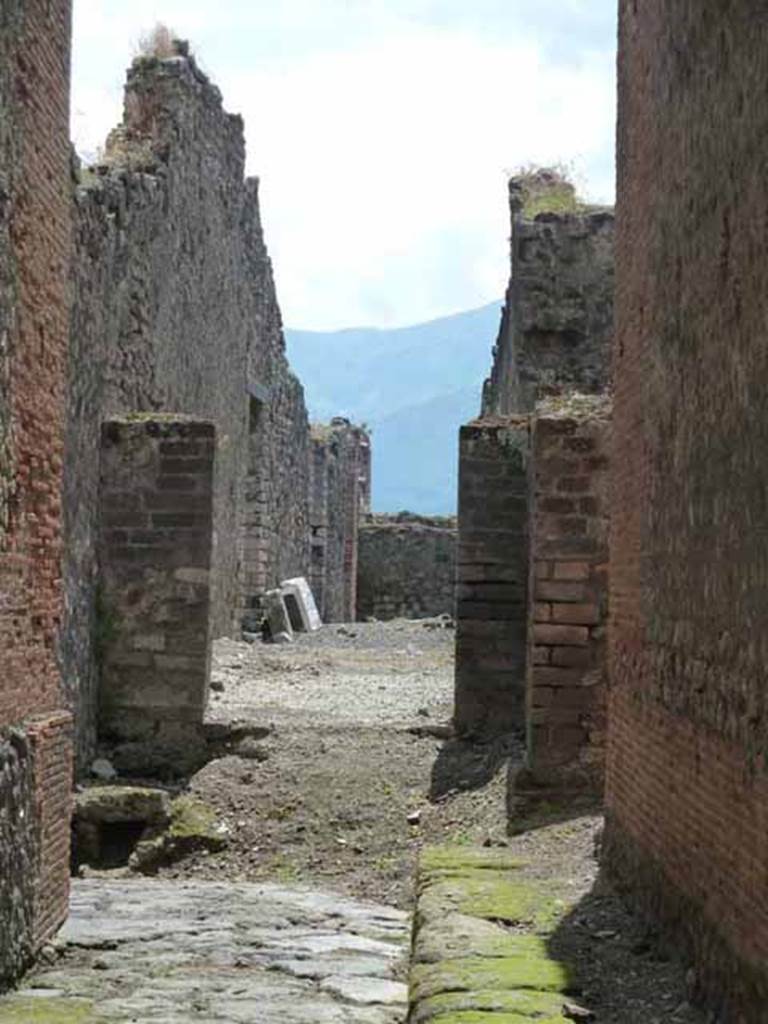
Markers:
(297, 592)
(278, 619)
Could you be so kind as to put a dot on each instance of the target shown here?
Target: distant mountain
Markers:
(413, 386)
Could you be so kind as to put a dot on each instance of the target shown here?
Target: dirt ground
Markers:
(360, 770)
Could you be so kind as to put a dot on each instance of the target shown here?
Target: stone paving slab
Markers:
(480, 943)
(175, 953)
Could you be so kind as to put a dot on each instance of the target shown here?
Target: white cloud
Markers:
(383, 166)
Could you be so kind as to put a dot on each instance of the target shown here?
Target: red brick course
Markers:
(35, 162)
(566, 624)
(687, 786)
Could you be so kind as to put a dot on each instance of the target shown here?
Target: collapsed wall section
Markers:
(174, 309)
(406, 567)
(35, 724)
(687, 780)
(557, 323)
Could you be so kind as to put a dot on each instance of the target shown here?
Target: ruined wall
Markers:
(339, 491)
(687, 784)
(568, 607)
(406, 567)
(35, 727)
(175, 309)
(155, 556)
(492, 575)
(557, 321)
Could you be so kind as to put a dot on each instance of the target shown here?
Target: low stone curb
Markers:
(480, 942)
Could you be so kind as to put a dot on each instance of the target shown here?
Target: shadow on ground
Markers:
(619, 970)
(463, 765)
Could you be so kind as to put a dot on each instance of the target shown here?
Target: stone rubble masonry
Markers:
(155, 553)
(406, 567)
(557, 323)
(568, 606)
(339, 495)
(687, 772)
(492, 575)
(174, 308)
(35, 724)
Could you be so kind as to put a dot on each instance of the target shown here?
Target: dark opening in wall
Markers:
(108, 845)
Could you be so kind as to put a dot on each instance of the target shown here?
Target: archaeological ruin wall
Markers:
(557, 322)
(687, 772)
(406, 567)
(35, 724)
(566, 684)
(339, 496)
(531, 502)
(174, 310)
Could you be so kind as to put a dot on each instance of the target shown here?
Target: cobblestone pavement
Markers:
(175, 953)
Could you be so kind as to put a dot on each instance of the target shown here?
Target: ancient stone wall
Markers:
(406, 567)
(155, 556)
(339, 491)
(555, 340)
(557, 322)
(687, 780)
(492, 575)
(175, 310)
(35, 727)
(568, 607)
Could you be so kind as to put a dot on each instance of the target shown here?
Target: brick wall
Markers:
(687, 782)
(566, 664)
(35, 743)
(155, 555)
(406, 567)
(491, 575)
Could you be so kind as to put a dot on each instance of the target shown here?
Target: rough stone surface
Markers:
(156, 540)
(35, 728)
(406, 567)
(170, 953)
(464, 963)
(557, 323)
(687, 785)
(340, 491)
(205, 340)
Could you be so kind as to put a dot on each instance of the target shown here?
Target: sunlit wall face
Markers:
(383, 131)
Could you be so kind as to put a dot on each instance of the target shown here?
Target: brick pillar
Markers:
(566, 667)
(492, 575)
(155, 558)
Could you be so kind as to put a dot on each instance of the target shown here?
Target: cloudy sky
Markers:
(383, 131)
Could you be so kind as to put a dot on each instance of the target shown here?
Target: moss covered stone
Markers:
(193, 826)
(528, 965)
(468, 964)
(522, 1004)
(42, 1010)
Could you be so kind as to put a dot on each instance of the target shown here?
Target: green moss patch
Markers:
(529, 967)
(480, 943)
(41, 1010)
(435, 860)
(522, 1005)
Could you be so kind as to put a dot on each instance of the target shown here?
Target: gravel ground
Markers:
(359, 771)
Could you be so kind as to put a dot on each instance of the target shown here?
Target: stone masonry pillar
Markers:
(155, 559)
(492, 573)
